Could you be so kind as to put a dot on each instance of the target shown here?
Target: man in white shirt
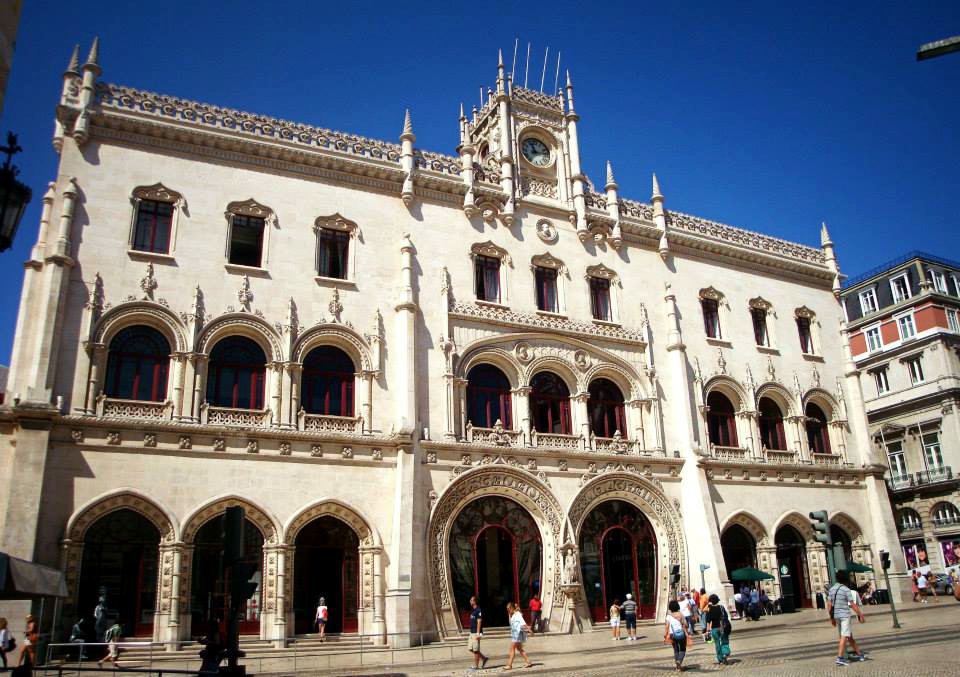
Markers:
(686, 610)
(922, 587)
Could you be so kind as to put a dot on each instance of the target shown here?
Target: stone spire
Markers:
(825, 235)
(73, 68)
(408, 126)
(656, 189)
(407, 138)
(93, 58)
(610, 180)
(830, 257)
(613, 208)
(660, 217)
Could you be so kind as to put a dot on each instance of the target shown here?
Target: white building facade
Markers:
(423, 376)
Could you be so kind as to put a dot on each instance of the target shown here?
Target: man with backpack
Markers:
(840, 603)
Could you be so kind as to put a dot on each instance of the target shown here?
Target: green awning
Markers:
(857, 568)
(749, 574)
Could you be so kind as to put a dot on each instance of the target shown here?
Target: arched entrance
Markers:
(792, 565)
(496, 554)
(120, 563)
(618, 555)
(326, 564)
(739, 548)
(208, 599)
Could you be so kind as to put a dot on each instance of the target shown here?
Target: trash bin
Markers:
(820, 603)
(882, 596)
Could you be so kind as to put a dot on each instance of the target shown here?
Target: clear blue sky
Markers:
(771, 116)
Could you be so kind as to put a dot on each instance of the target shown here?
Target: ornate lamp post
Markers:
(14, 196)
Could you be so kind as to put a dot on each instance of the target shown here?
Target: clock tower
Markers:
(521, 147)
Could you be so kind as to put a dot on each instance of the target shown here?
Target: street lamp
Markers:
(14, 196)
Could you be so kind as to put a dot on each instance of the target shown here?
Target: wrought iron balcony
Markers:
(941, 474)
(728, 453)
(827, 459)
(110, 407)
(946, 521)
(910, 530)
(899, 482)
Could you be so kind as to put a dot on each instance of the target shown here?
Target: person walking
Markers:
(476, 632)
(518, 635)
(7, 642)
(615, 619)
(719, 622)
(323, 612)
(840, 604)
(536, 610)
(922, 587)
(914, 588)
(112, 638)
(686, 610)
(676, 632)
(629, 611)
(702, 605)
(738, 602)
(754, 607)
(31, 636)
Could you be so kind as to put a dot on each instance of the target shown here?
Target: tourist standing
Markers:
(476, 632)
(7, 642)
(703, 602)
(30, 639)
(719, 623)
(536, 609)
(629, 611)
(518, 635)
(323, 612)
(840, 604)
(615, 619)
(754, 607)
(686, 610)
(738, 602)
(914, 588)
(676, 633)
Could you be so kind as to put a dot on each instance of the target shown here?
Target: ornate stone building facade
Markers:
(424, 376)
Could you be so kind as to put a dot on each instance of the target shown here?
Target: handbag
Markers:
(727, 625)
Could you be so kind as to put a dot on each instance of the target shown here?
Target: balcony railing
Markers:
(780, 455)
(945, 522)
(728, 453)
(109, 407)
(557, 441)
(496, 436)
(316, 423)
(897, 482)
(228, 416)
(910, 530)
(941, 474)
(827, 459)
(612, 445)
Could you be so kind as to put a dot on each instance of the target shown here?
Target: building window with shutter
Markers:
(806, 338)
(600, 299)
(487, 278)
(711, 317)
(333, 249)
(760, 334)
(546, 282)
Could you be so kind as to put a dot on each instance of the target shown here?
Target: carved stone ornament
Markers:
(377, 454)
(252, 208)
(244, 295)
(431, 457)
(158, 193)
(562, 465)
(148, 283)
(582, 359)
(336, 222)
(285, 449)
(524, 352)
(347, 452)
(185, 442)
(77, 435)
(550, 261)
(760, 303)
(547, 232)
(113, 437)
(711, 293)
(149, 439)
(253, 447)
(316, 450)
(803, 311)
(219, 444)
(602, 272)
(335, 307)
(488, 248)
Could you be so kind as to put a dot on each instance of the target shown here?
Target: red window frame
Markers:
(494, 401)
(818, 435)
(721, 422)
(238, 225)
(154, 223)
(771, 427)
(155, 364)
(487, 278)
(600, 299)
(555, 406)
(609, 410)
(220, 369)
(711, 317)
(341, 378)
(546, 283)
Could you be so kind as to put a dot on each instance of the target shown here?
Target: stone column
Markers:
(98, 363)
(276, 392)
(799, 437)
(817, 566)
(450, 407)
(379, 622)
(366, 403)
(178, 362)
(295, 374)
(166, 621)
(634, 412)
(199, 362)
(581, 417)
(767, 562)
(279, 634)
(521, 410)
(460, 387)
(752, 437)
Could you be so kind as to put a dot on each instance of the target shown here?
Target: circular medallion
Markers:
(546, 231)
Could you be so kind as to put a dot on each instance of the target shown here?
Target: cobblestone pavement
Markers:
(925, 646)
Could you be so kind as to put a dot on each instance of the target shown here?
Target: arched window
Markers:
(488, 397)
(605, 409)
(238, 369)
(909, 520)
(945, 514)
(137, 365)
(550, 404)
(328, 382)
(721, 420)
(771, 425)
(818, 437)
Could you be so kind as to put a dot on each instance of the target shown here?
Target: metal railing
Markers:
(900, 482)
(278, 655)
(941, 474)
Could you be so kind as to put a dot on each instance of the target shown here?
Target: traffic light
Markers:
(884, 560)
(674, 575)
(821, 527)
(241, 587)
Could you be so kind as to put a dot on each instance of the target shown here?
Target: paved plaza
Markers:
(780, 646)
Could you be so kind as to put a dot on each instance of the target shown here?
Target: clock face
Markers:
(536, 152)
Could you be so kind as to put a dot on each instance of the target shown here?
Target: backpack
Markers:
(324, 613)
(11, 643)
(727, 625)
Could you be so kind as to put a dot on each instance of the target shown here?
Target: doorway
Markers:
(326, 564)
(792, 566)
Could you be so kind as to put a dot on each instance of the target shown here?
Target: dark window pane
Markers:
(771, 425)
(488, 278)
(803, 329)
(760, 326)
(711, 317)
(328, 375)
(550, 403)
(333, 250)
(721, 421)
(600, 299)
(246, 241)
(137, 365)
(488, 397)
(546, 282)
(236, 373)
(605, 409)
(152, 230)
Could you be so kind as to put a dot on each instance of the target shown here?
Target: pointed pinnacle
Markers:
(407, 123)
(93, 58)
(656, 186)
(74, 65)
(610, 180)
(500, 58)
(462, 116)
(824, 235)
(569, 84)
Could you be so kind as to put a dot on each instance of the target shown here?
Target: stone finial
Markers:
(407, 126)
(93, 58)
(500, 58)
(148, 283)
(657, 195)
(611, 183)
(569, 83)
(462, 115)
(825, 235)
(335, 307)
(244, 295)
(74, 66)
